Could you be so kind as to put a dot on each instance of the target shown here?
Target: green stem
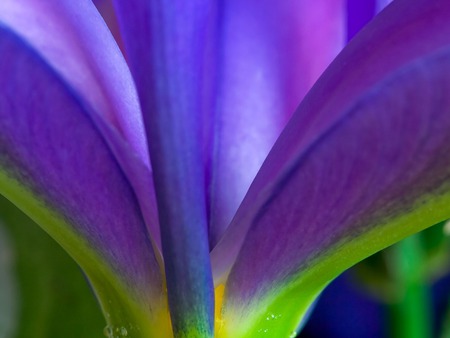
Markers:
(411, 313)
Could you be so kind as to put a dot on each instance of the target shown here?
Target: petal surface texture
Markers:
(166, 46)
(56, 166)
(362, 164)
(264, 69)
(73, 38)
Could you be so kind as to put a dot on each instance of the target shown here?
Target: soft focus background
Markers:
(43, 293)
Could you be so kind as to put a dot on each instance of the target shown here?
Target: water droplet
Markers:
(272, 316)
(293, 334)
(108, 331)
(123, 331)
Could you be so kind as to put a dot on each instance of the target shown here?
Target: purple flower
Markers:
(152, 176)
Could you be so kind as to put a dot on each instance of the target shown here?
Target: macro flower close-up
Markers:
(211, 166)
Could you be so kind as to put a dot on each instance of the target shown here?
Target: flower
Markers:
(168, 241)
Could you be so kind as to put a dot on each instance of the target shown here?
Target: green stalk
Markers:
(411, 312)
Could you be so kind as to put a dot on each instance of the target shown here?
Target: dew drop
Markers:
(108, 331)
(123, 331)
(272, 316)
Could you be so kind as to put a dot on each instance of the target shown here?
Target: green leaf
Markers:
(54, 299)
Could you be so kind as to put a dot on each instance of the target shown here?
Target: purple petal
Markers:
(400, 34)
(381, 174)
(56, 166)
(350, 174)
(73, 38)
(271, 54)
(106, 9)
(381, 4)
(359, 13)
(166, 47)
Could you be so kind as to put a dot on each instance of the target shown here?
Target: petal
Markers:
(271, 54)
(397, 36)
(106, 9)
(381, 4)
(349, 175)
(378, 176)
(74, 40)
(56, 166)
(359, 13)
(166, 47)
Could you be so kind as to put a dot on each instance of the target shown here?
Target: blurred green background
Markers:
(43, 293)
